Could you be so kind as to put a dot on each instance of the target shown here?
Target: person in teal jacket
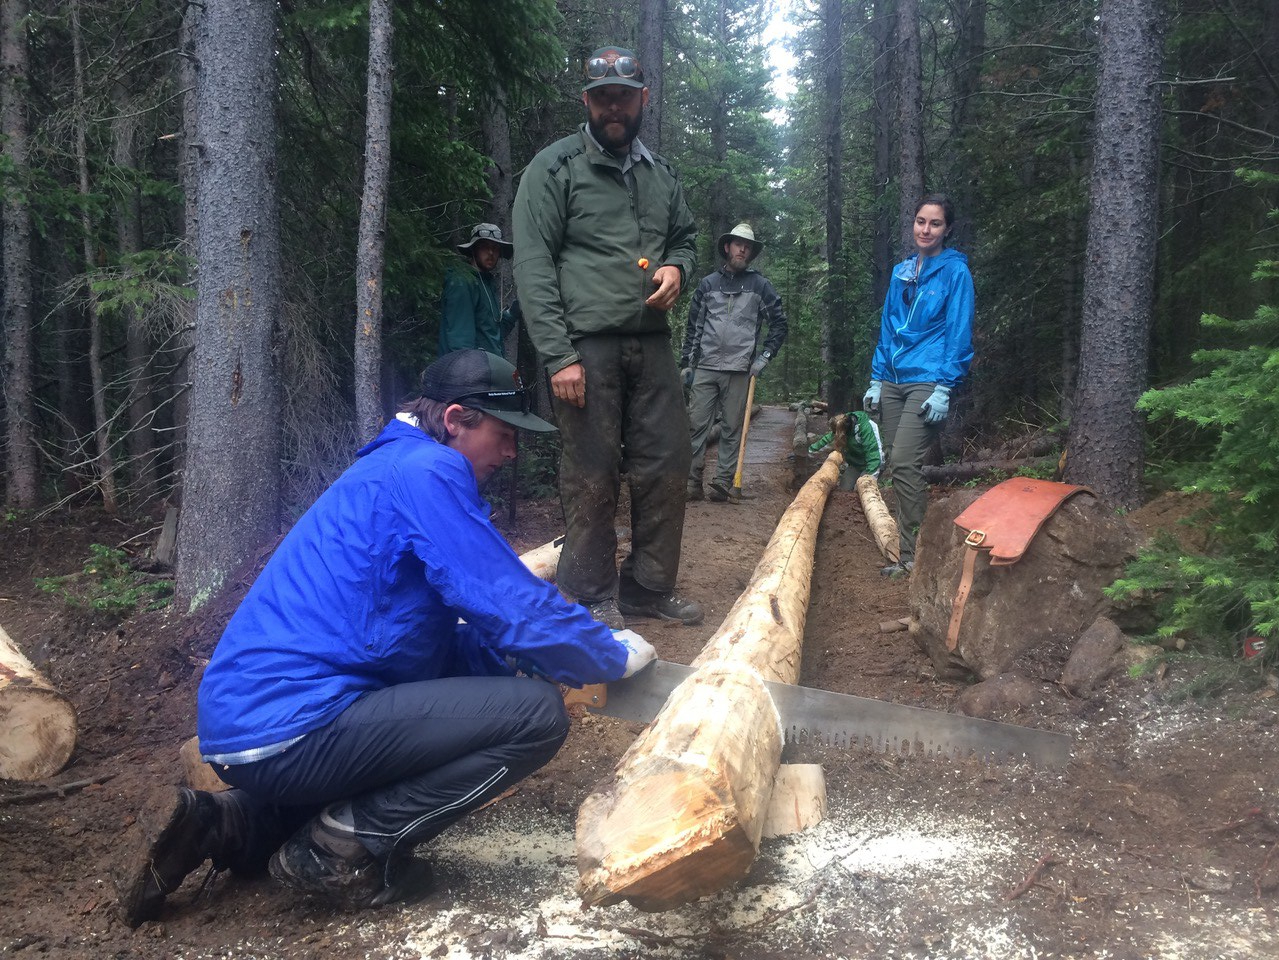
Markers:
(604, 243)
(924, 351)
(364, 695)
(471, 314)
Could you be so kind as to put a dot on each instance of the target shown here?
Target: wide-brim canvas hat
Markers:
(490, 232)
(742, 231)
(482, 381)
(617, 58)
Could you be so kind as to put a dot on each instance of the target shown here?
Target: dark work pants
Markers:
(634, 407)
(412, 759)
(722, 392)
(906, 437)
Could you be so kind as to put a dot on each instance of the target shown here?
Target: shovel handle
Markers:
(746, 428)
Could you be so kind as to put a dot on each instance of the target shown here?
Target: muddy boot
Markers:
(325, 858)
(199, 826)
(637, 601)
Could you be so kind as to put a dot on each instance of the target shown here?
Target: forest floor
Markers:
(1158, 840)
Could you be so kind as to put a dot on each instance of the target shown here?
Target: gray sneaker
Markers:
(901, 569)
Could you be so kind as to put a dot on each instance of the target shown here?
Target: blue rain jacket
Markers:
(929, 340)
(366, 590)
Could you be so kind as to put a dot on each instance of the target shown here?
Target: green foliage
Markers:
(1232, 408)
(108, 584)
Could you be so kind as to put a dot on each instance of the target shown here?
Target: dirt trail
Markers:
(1157, 841)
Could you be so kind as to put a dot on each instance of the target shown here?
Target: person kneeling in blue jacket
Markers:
(365, 695)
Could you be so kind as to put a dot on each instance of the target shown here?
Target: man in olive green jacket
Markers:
(604, 243)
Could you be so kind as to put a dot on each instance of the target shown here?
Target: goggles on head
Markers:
(597, 68)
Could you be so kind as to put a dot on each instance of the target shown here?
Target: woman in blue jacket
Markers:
(925, 348)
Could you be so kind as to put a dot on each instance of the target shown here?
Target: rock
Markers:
(1025, 616)
(1132, 656)
(1092, 660)
(1005, 694)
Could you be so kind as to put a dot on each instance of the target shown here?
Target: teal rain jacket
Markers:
(366, 592)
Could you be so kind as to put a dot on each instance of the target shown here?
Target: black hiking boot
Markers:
(326, 859)
(606, 612)
(637, 601)
(717, 492)
(198, 826)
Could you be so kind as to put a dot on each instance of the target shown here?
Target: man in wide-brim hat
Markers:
(471, 314)
(719, 357)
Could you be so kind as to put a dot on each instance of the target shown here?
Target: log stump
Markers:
(37, 724)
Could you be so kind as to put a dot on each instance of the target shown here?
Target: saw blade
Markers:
(843, 720)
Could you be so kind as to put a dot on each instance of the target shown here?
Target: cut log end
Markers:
(37, 732)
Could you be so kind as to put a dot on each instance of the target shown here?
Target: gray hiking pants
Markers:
(717, 392)
(906, 438)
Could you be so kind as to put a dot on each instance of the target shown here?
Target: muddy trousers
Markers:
(411, 759)
(722, 392)
(906, 437)
(634, 419)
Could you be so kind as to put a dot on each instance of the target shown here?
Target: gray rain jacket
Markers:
(725, 318)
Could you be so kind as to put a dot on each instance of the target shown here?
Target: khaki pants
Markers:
(634, 410)
(906, 438)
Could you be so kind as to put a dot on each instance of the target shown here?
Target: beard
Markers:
(630, 131)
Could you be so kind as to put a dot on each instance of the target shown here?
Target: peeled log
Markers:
(682, 817)
(37, 724)
(882, 524)
(544, 561)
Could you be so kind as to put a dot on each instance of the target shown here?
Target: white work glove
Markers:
(870, 402)
(639, 652)
(936, 406)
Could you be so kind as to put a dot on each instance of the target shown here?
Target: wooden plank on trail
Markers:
(37, 724)
(683, 815)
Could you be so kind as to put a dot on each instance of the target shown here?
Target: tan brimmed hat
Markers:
(490, 232)
(742, 231)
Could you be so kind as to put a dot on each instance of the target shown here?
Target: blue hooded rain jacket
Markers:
(929, 339)
(366, 592)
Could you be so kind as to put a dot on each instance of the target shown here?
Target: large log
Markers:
(683, 814)
(975, 469)
(37, 724)
(882, 524)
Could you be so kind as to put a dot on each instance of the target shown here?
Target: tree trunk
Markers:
(970, 43)
(371, 255)
(882, 252)
(231, 500)
(22, 488)
(37, 724)
(189, 172)
(718, 209)
(495, 124)
(140, 441)
(910, 117)
(835, 323)
(682, 817)
(101, 425)
(652, 52)
(1106, 450)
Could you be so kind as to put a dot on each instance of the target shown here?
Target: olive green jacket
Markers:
(587, 244)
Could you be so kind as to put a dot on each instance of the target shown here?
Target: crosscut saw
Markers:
(839, 719)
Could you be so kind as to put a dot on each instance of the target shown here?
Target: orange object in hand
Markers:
(643, 263)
